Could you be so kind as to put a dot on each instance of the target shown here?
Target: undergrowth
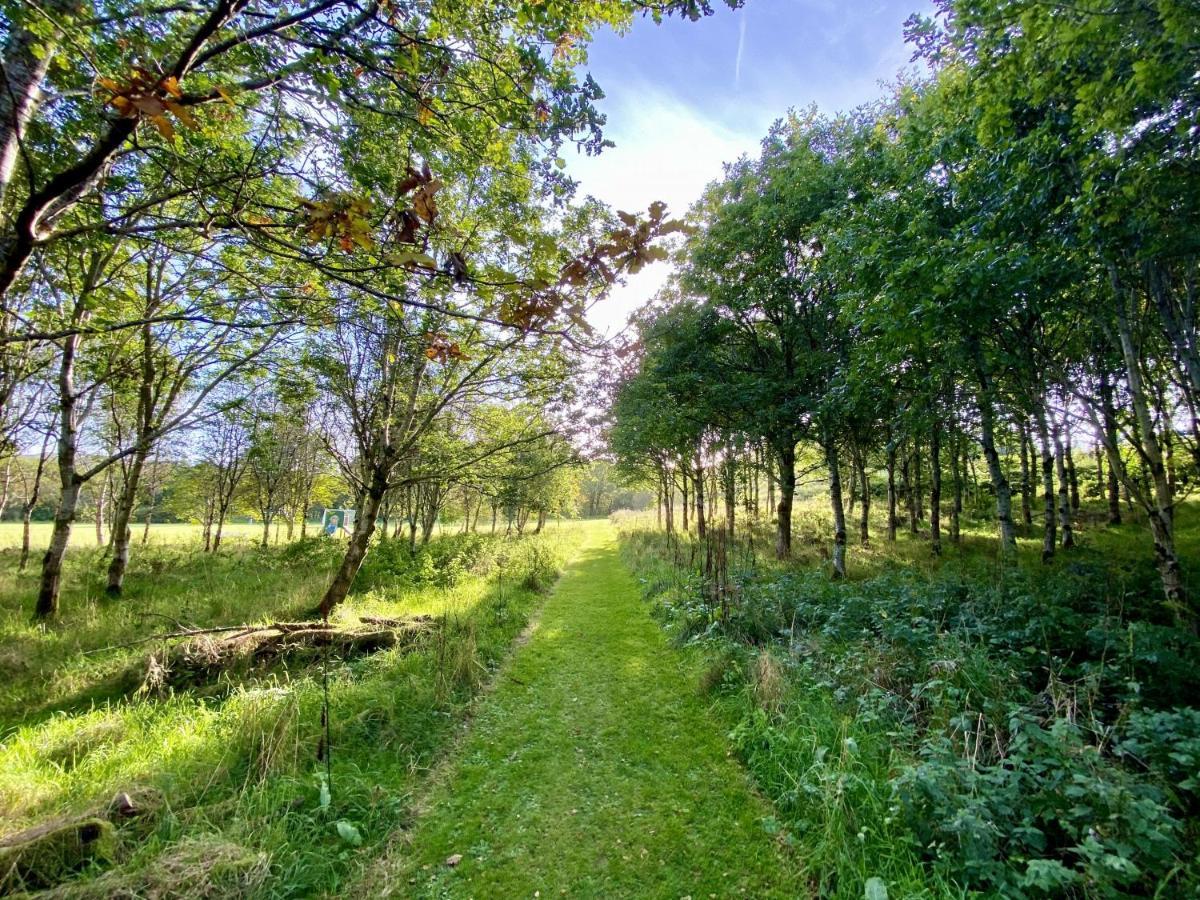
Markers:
(948, 726)
(231, 798)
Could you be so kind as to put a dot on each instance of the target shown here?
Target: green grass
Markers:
(593, 770)
(83, 534)
(936, 722)
(604, 763)
(229, 783)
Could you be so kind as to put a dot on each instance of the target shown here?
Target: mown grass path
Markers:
(592, 770)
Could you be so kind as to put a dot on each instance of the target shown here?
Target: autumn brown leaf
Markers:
(146, 97)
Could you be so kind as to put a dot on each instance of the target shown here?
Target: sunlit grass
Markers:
(240, 764)
(819, 736)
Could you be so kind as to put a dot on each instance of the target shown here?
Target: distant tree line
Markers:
(258, 245)
(997, 264)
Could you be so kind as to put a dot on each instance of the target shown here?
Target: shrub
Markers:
(1052, 813)
(1019, 735)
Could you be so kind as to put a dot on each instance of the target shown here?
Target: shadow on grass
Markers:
(236, 775)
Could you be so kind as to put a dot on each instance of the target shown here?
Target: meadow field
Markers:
(83, 535)
(223, 766)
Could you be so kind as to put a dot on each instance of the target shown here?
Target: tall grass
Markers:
(228, 786)
(948, 726)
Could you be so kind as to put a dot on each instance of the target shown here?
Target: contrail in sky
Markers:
(737, 66)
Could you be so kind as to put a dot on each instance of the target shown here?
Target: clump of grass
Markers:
(207, 867)
(718, 670)
(459, 669)
(768, 683)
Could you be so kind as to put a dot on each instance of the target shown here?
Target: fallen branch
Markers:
(209, 655)
(395, 623)
(42, 857)
(220, 629)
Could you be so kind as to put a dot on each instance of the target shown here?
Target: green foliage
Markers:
(1026, 735)
(1050, 813)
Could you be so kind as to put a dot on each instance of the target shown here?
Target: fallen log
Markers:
(42, 857)
(219, 629)
(206, 655)
(396, 623)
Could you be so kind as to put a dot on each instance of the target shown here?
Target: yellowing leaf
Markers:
(410, 258)
(182, 113)
(164, 126)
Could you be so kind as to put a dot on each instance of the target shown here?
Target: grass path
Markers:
(593, 770)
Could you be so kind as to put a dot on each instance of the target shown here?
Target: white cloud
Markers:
(665, 150)
(737, 64)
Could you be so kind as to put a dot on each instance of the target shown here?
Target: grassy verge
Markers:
(593, 770)
(228, 787)
(945, 726)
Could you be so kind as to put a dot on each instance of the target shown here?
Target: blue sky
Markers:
(684, 97)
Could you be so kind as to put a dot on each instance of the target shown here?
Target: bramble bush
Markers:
(1025, 736)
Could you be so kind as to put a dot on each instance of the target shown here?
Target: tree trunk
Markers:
(864, 521)
(7, 483)
(1108, 437)
(987, 420)
(668, 487)
(711, 495)
(918, 487)
(1026, 481)
(1072, 474)
(935, 488)
(100, 499)
(26, 521)
(360, 539)
(891, 493)
(683, 487)
(787, 489)
(910, 494)
(957, 476)
(222, 511)
(757, 484)
(1048, 526)
(771, 504)
(1064, 494)
(27, 58)
(208, 524)
(1161, 508)
(122, 531)
(839, 511)
(31, 503)
(64, 516)
(69, 484)
(730, 493)
(698, 495)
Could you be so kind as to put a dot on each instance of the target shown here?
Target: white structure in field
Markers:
(337, 520)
